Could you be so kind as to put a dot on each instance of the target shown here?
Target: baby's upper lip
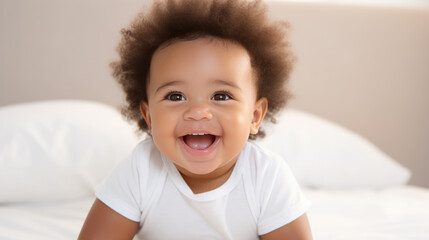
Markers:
(199, 128)
(198, 133)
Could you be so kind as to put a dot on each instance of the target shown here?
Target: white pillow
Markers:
(58, 150)
(324, 154)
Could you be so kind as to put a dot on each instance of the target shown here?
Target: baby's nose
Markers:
(198, 112)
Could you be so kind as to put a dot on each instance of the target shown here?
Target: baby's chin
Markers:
(196, 170)
(206, 171)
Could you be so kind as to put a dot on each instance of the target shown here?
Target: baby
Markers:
(200, 77)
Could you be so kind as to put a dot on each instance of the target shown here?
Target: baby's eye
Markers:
(175, 96)
(221, 96)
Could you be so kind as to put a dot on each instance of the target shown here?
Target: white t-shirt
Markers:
(260, 196)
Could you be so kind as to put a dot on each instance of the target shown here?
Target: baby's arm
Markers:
(299, 229)
(104, 223)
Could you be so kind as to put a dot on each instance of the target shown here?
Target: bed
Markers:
(53, 154)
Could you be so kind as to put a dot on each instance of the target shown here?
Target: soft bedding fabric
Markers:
(389, 214)
(324, 154)
(59, 150)
(43, 221)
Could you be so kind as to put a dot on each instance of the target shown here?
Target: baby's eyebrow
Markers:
(224, 82)
(216, 81)
(168, 84)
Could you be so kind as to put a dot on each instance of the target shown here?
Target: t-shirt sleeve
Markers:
(280, 197)
(121, 190)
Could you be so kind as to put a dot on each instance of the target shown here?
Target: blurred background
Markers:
(361, 64)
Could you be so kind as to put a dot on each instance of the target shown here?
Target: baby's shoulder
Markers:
(262, 157)
(264, 166)
(267, 173)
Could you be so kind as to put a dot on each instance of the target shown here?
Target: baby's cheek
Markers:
(232, 115)
(237, 126)
(163, 117)
(160, 128)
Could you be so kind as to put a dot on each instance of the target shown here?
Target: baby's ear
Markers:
(144, 109)
(261, 107)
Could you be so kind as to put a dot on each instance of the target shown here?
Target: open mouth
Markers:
(199, 141)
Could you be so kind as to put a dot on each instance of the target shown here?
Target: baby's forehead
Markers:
(214, 59)
(192, 42)
(221, 53)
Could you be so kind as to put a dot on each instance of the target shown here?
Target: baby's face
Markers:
(202, 103)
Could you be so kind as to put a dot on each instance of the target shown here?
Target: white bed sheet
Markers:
(393, 213)
(54, 220)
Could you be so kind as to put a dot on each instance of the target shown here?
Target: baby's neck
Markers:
(205, 183)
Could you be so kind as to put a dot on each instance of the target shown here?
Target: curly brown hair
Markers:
(240, 21)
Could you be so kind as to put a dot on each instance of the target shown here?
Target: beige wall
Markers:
(365, 67)
(60, 49)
